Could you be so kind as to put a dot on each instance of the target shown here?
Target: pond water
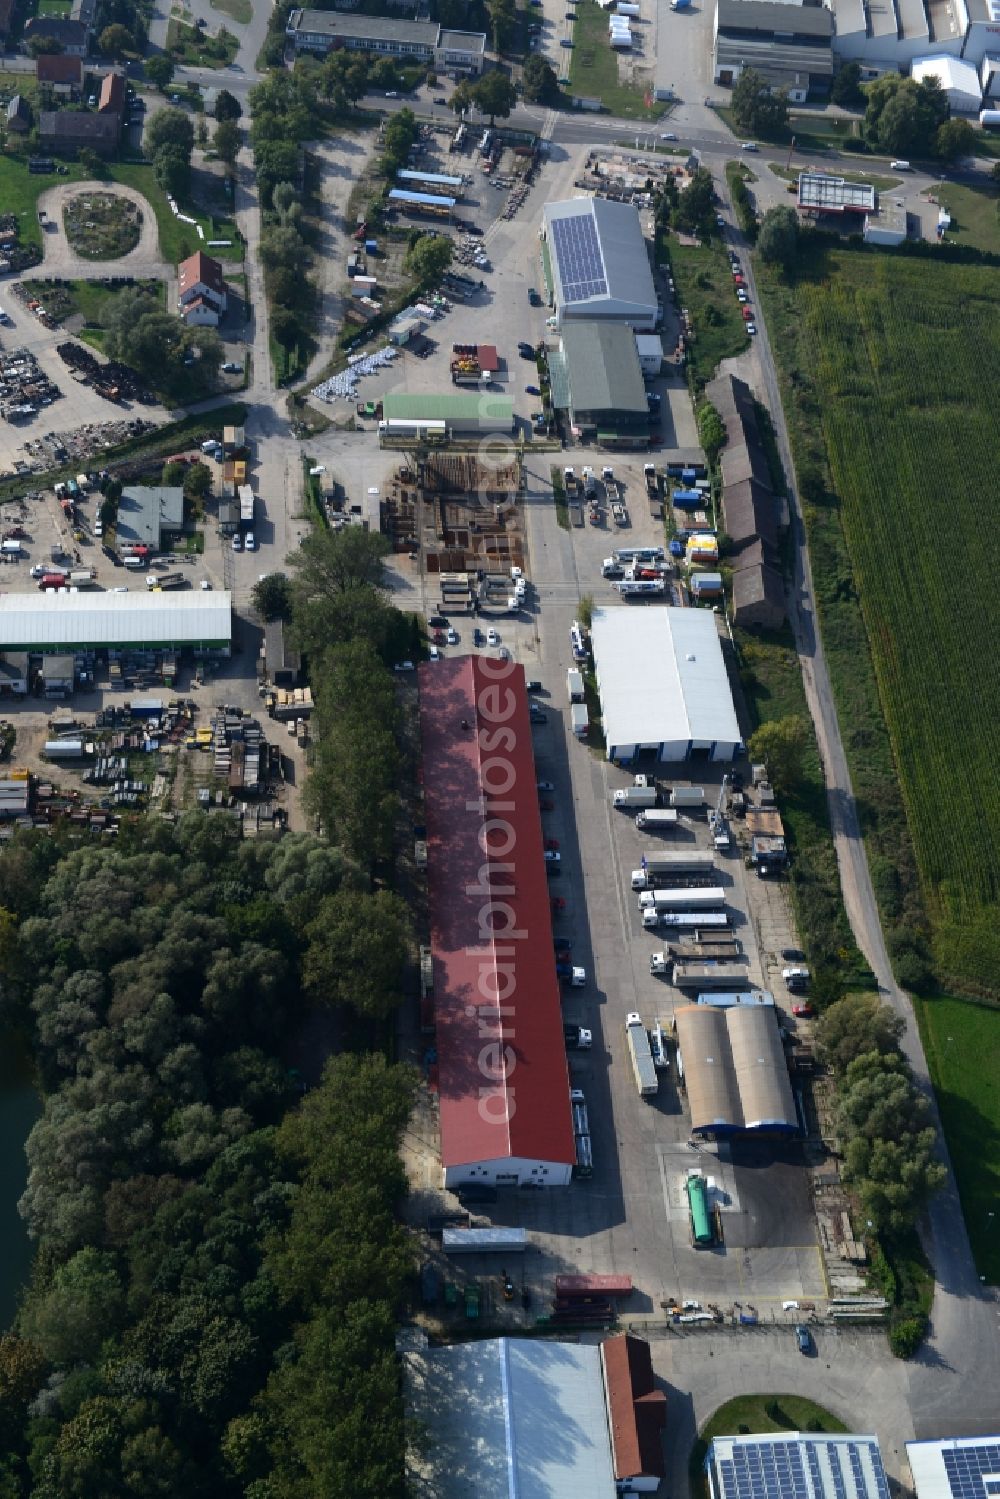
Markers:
(20, 1106)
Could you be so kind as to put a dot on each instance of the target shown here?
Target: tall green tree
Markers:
(428, 258)
(495, 94)
(781, 745)
(758, 109)
(159, 70)
(357, 948)
(227, 106)
(778, 237)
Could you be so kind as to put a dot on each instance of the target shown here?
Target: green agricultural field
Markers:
(896, 362)
(962, 1043)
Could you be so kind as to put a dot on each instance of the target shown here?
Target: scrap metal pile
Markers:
(24, 386)
(57, 447)
(112, 380)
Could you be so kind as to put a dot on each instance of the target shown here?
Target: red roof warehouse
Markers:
(504, 1083)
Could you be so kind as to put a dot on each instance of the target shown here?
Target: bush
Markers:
(906, 1336)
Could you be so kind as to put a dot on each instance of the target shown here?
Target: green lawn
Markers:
(91, 299)
(19, 194)
(894, 365)
(704, 283)
(593, 67)
(793, 1412)
(237, 10)
(54, 7)
(176, 239)
(962, 1044)
(975, 214)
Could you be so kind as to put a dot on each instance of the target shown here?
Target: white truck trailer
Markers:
(634, 796)
(574, 685)
(646, 1079)
(697, 898)
(579, 720)
(687, 796)
(657, 820)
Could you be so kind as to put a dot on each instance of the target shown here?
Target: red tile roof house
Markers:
(112, 99)
(637, 1414)
(201, 290)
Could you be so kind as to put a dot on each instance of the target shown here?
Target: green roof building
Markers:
(596, 377)
(476, 411)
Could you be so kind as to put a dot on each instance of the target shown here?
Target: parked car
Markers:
(793, 954)
(503, 654)
(477, 636)
(751, 329)
(438, 622)
(525, 350)
(403, 666)
(533, 685)
(237, 543)
(232, 367)
(562, 944)
(250, 542)
(545, 804)
(532, 390)
(667, 135)
(438, 637)
(803, 1337)
(492, 637)
(434, 654)
(536, 715)
(564, 41)
(553, 844)
(440, 100)
(749, 146)
(452, 635)
(544, 786)
(803, 1012)
(552, 856)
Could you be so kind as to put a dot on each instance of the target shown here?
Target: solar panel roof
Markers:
(956, 1467)
(800, 1467)
(580, 261)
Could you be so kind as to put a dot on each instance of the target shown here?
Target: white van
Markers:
(900, 166)
(135, 564)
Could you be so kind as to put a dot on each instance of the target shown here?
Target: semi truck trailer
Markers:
(643, 1070)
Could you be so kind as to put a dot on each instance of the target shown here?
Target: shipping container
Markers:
(611, 1286)
(484, 1240)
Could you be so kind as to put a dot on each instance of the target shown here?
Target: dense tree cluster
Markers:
(778, 239)
(889, 1139)
(212, 1306)
(283, 106)
(492, 93)
(694, 209)
(902, 116)
(173, 358)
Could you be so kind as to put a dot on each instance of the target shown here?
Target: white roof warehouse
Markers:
(44, 622)
(663, 684)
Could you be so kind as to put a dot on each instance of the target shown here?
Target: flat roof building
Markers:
(794, 1465)
(663, 685)
(596, 377)
(596, 263)
(484, 411)
(955, 1467)
(47, 623)
(503, 1083)
(147, 513)
(426, 41)
(734, 1070)
(508, 1416)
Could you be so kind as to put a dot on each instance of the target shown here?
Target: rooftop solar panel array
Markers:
(973, 1471)
(805, 1470)
(581, 266)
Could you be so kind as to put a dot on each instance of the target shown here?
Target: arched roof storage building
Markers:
(734, 1069)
